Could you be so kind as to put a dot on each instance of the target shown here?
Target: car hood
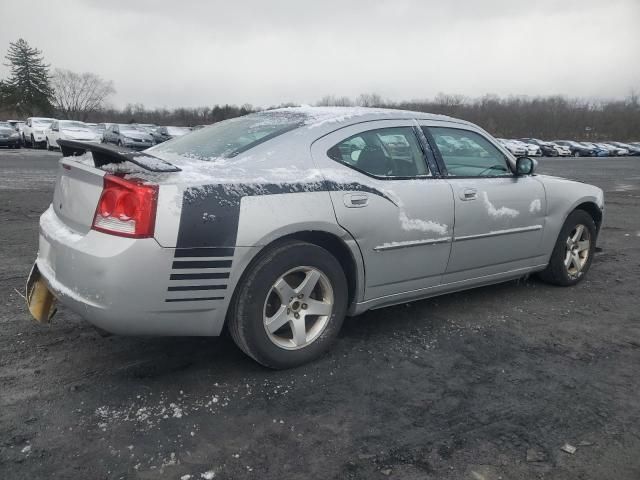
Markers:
(137, 135)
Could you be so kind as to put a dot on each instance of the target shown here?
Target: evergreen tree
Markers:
(28, 87)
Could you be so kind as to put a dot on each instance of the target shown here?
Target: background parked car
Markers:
(576, 149)
(516, 148)
(632, 149)
(101, 127)
(533, 150)
(127, 135)
(547, 149)
(69, 130)
(563, 150)
(33, 131)
(613, 150)
(9, 136)
(167, 133)
(598, 151)
(18, 125)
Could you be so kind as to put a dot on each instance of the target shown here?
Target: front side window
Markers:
(468, 154)
(385, 152)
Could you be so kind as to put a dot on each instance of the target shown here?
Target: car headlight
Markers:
(128, 139)
(14, 135)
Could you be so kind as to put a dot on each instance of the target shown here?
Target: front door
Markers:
(386, 197)
(499, 217)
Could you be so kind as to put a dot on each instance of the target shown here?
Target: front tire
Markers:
(573, 252)
(289, 306)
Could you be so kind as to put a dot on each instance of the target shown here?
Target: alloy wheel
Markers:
(298, 308)
(578, 248)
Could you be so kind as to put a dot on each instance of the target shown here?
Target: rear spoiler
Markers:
(104, 154)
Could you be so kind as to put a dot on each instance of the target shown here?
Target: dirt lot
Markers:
(484, 384)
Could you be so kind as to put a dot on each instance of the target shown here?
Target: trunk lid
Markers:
(76, 194)
(79, 181)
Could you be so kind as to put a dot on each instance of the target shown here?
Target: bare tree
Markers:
(77, 95)
(333, 101)
(369, 100)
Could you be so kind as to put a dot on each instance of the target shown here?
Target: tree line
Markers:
(32, 89)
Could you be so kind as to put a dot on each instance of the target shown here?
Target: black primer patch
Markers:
(211, 213)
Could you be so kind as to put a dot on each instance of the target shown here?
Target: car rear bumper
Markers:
(121, 285)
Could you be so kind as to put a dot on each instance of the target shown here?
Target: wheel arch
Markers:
(345, 250)
(593, 210)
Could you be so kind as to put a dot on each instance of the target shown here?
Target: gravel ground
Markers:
(484, 384)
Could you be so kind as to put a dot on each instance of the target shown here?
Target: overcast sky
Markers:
(193, 53)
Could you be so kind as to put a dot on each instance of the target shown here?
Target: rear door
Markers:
(499, 217)
(385, 195)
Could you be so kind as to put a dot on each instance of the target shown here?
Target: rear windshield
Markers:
(232, 137)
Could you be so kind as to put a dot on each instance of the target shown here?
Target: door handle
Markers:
(356, 200)
(469, 194)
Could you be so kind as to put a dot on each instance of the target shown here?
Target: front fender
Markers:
(563, 197)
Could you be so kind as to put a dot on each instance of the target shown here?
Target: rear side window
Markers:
(231, 137)
(386, 152)
(468, 154)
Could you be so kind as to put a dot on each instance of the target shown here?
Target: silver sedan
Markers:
(281, 223)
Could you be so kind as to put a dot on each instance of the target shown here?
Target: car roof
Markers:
(316, 117)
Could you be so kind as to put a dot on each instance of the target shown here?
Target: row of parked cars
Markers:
(533, 147)
(38, 132)
(43, 132)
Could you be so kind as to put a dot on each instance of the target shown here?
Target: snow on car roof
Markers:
(320, 116)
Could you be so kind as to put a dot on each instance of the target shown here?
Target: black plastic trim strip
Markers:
(204, 252)
(186, 288)
(198, 299)
(199, 276)
(178, 264)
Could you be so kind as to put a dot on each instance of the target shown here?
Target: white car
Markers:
(70, 130)
(563, 151)
(518, 149)
(532, 149)
(33, 132)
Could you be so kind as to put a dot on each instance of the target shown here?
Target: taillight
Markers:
(126, 208)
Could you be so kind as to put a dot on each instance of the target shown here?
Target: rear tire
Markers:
(272, 293)
(573, 253)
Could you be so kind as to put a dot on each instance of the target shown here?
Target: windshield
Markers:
(178, 130)
(232, 137)
(130, 128)
(73, 125)
(41, 122)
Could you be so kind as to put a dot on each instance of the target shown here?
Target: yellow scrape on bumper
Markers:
(41, 302)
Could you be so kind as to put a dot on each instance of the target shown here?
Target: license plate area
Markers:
(40, 301)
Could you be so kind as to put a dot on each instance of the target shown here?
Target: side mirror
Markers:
(525, 166)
